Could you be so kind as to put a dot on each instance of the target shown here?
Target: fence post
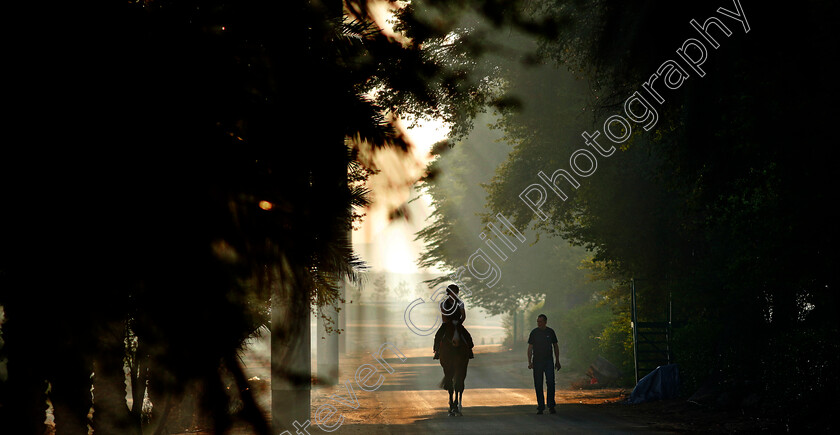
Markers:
(633, 324)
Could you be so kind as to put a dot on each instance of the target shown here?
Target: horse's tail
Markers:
(443, 383)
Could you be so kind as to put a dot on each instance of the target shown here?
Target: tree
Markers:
(532, 272)
(206, 203)
(713, 205)
(402, 290)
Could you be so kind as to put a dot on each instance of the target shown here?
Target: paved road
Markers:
(499, 400)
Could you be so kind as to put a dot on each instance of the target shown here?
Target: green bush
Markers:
(579, 332)
(616, 345)
(696, 351)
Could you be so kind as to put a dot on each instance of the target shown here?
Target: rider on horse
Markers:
(457, 318)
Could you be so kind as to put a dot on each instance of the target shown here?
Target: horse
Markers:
(454, 358)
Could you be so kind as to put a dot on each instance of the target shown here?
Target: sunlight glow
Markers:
(397, 253)
(386, 239)
(385, 243)
(424, 135)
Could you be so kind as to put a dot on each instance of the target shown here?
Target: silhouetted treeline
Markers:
(722, 205)
(180, 164)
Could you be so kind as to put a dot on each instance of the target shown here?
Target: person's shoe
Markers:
(552, 411)
(437, 355)
(539, 412)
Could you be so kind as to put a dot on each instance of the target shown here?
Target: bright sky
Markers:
(390, 245)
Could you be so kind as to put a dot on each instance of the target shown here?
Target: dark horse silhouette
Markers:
(454, 358)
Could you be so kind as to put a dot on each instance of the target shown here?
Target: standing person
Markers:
(540, 342)
(457, 317)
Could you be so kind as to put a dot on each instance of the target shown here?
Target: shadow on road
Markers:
(517, 419)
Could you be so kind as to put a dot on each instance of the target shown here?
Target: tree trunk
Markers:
(110, 407)
(251, 412)
(291, 367)
(138, 391)
(25, 401)
(70, 395)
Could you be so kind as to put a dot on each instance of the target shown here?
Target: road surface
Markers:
(499, 399)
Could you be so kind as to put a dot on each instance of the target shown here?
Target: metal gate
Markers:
(651, 340)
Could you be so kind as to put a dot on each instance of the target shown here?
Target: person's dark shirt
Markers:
(541, 340)
(460, 313)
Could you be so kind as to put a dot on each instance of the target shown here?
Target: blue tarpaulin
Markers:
(662, 383)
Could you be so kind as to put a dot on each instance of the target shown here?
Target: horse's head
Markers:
(452, 333)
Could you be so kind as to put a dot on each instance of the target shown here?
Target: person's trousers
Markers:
(544, 368)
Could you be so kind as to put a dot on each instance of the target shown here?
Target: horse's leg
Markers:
(455, 404)
(460, 376)
(451, 403)
(458, 404)
(451, 375)
(446, 363)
